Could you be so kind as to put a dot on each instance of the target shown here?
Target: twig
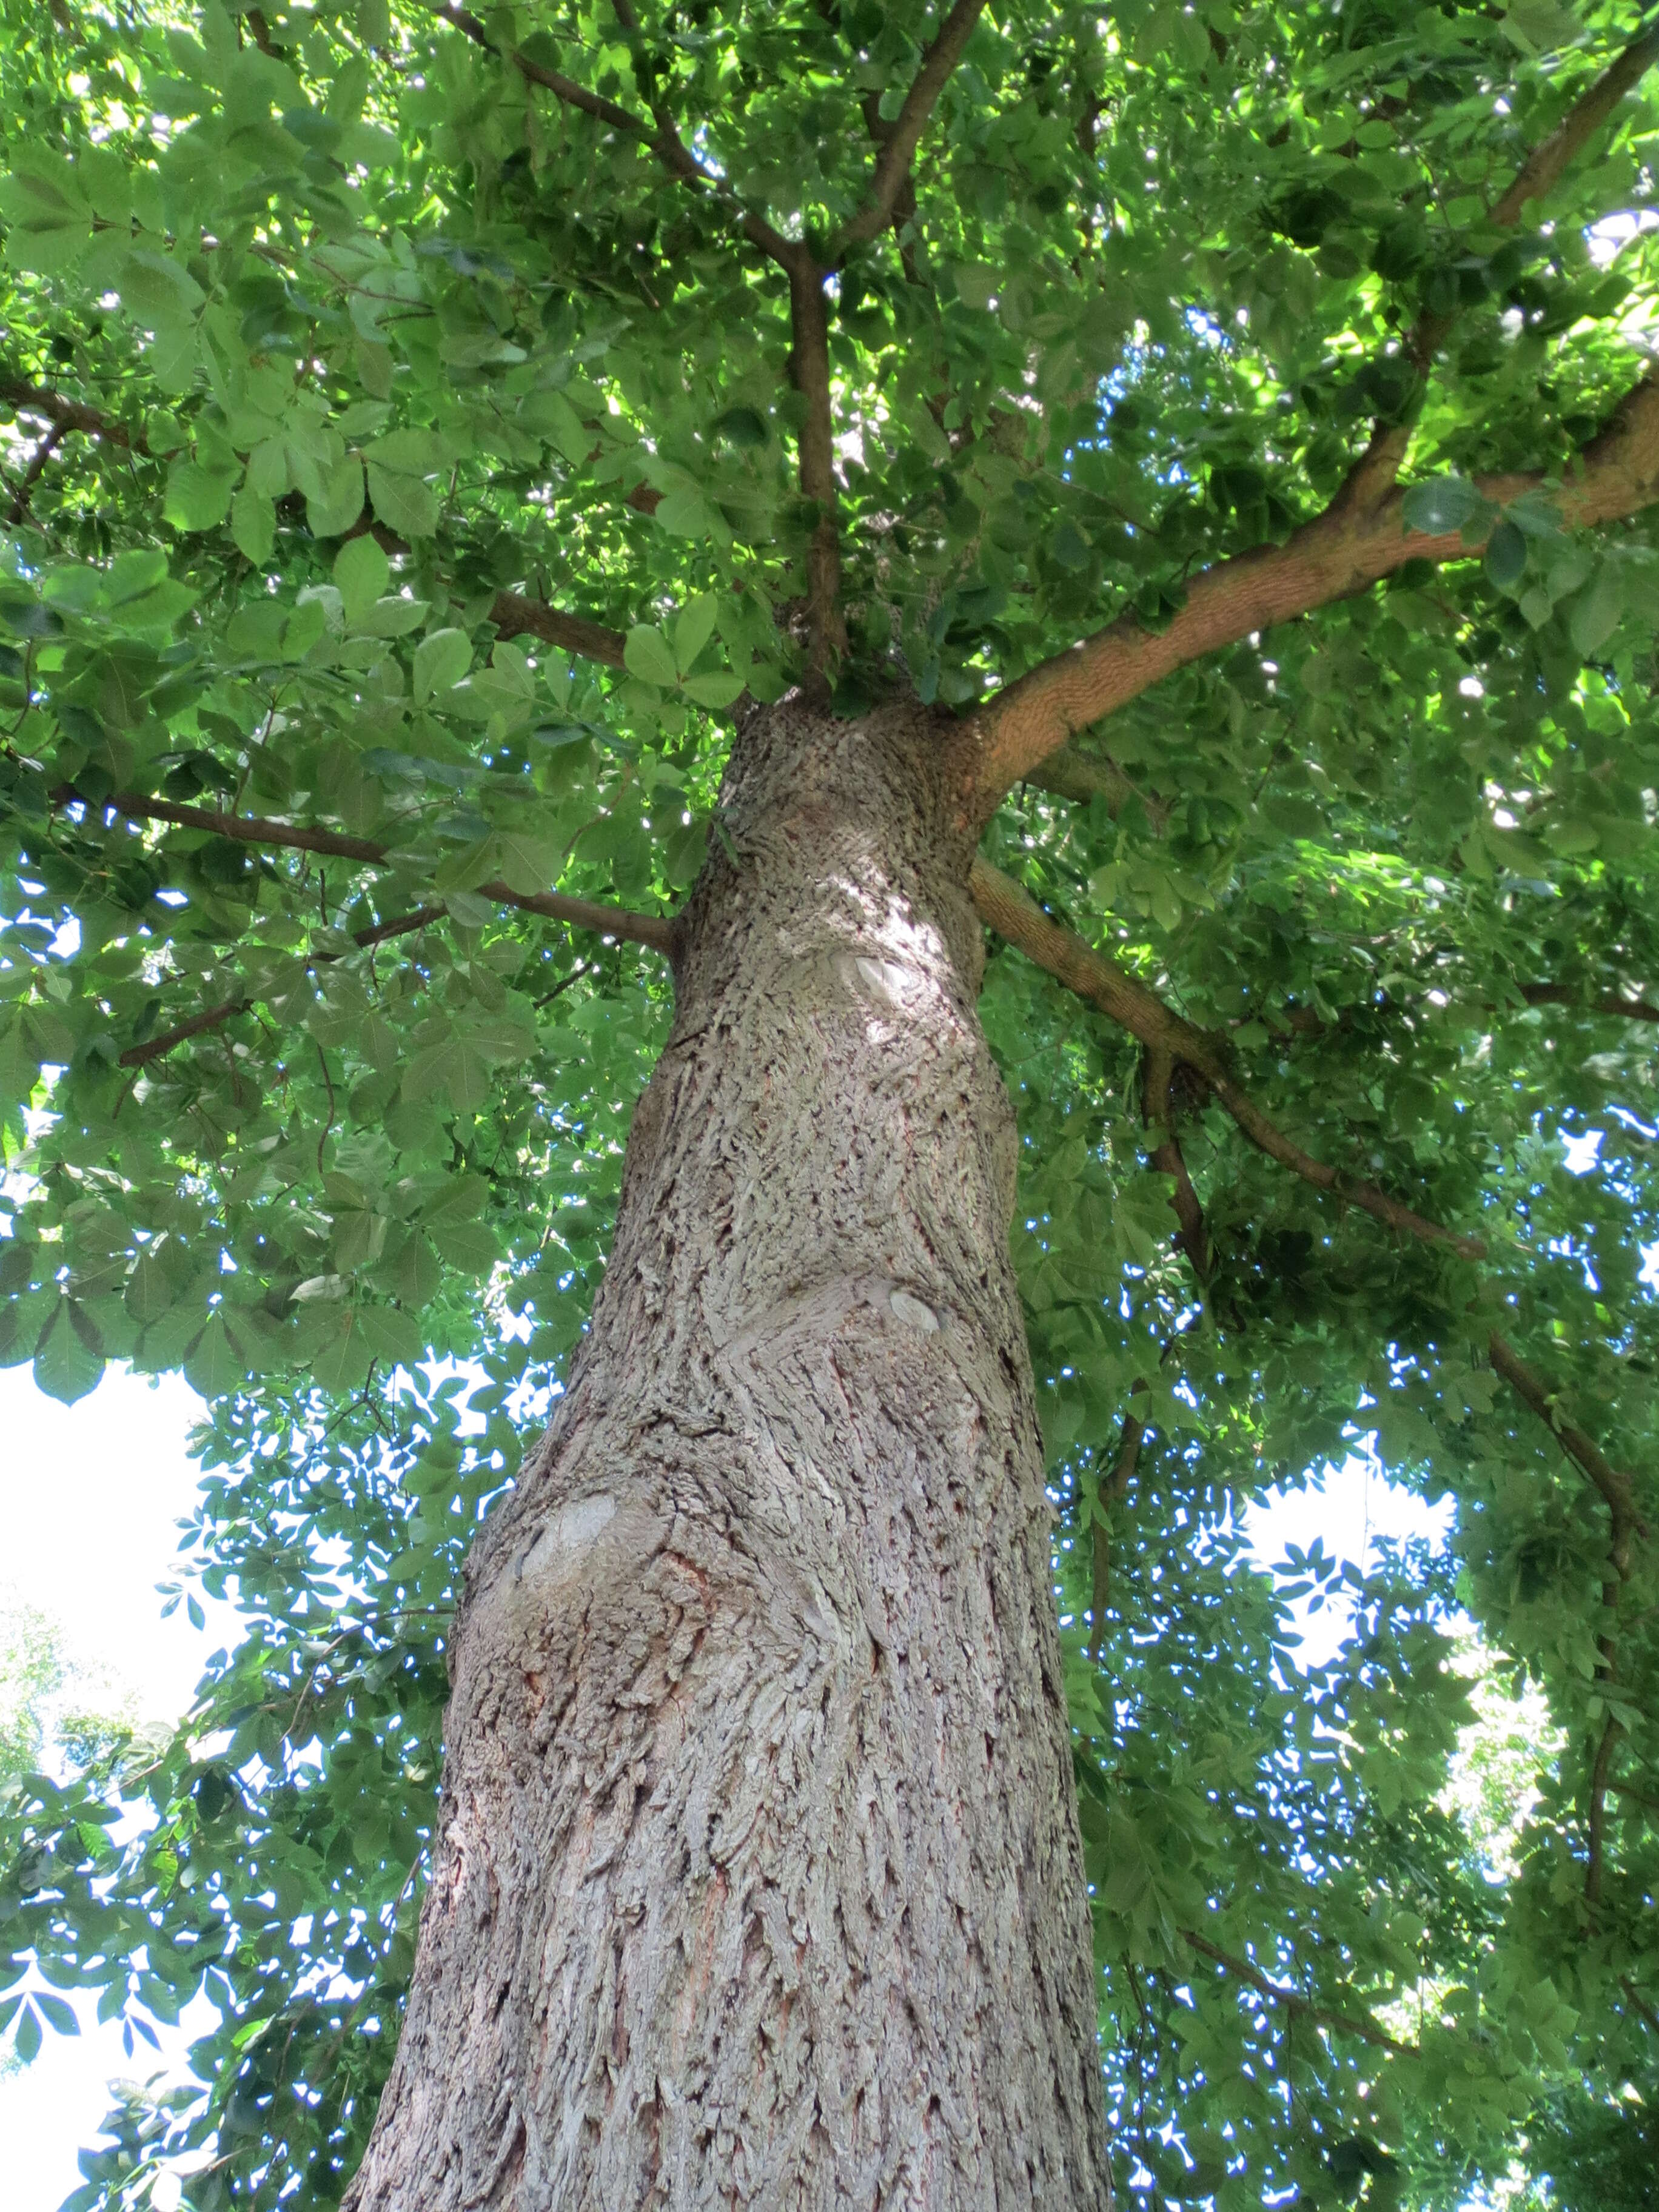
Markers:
(328, 1127)
(31, 476)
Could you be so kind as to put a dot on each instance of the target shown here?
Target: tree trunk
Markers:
(757, 1879)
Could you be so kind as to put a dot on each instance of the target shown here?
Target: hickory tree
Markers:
(900, 761)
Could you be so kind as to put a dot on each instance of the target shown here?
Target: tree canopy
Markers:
(430, 431)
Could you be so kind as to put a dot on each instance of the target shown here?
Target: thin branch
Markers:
(1018, 917)
(1595, 1828)
(1082, 776)
(656, 931)
(1563, 994)
(658, 137)
(899, 146)
(1616, 1488)
(809, 372)
(1344, 2023)
(516, 616)
(65, 415)
(1015, 915)
(1339, 553)
(1641, 2005)
(1375, 472)
(212, 1017)
(512, 614)
(1193, 1236)
(1636, 1797)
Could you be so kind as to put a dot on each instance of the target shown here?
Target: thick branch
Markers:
(899, 146)
(212, 1017)
(1293, 2001)
(1339, 553)
(655, 930)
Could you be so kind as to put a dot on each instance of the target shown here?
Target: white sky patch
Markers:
(89, 1495)
(1346, 1510)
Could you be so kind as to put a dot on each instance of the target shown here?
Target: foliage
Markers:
(412, 471)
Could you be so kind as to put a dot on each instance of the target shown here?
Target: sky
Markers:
(89, 1497)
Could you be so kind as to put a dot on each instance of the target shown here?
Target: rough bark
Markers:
(758, 1879)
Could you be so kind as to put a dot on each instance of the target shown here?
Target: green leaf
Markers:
(718, 688)
(648, 654)
(341, 501)
(361, 572)
(693, 628)
(1443, 505)
(399, 466)
(197, 498)
(47, 216)
(253, 524)
(441, 658)
(1596, 611)
(1506, 556)
(68, 1359)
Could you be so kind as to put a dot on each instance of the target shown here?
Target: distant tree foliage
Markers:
(421, 447)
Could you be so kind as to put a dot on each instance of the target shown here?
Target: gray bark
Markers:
(758, 1879)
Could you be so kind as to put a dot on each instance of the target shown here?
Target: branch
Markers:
(660, 137)
(1017, 916)
(512, 614)
(898, 150)
(1541, 172)
(1293, 2001)
(1014, 915)
(1641, 2005)
(212, 1017)
(1192, 1235)
(656, 931)
(43, 453)
(1337, 554)
(65, 415)
(1563, 994)
(1595, 1828)
(1082, 776)
(1617, 1490)
(809, 372)
(516, 616)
